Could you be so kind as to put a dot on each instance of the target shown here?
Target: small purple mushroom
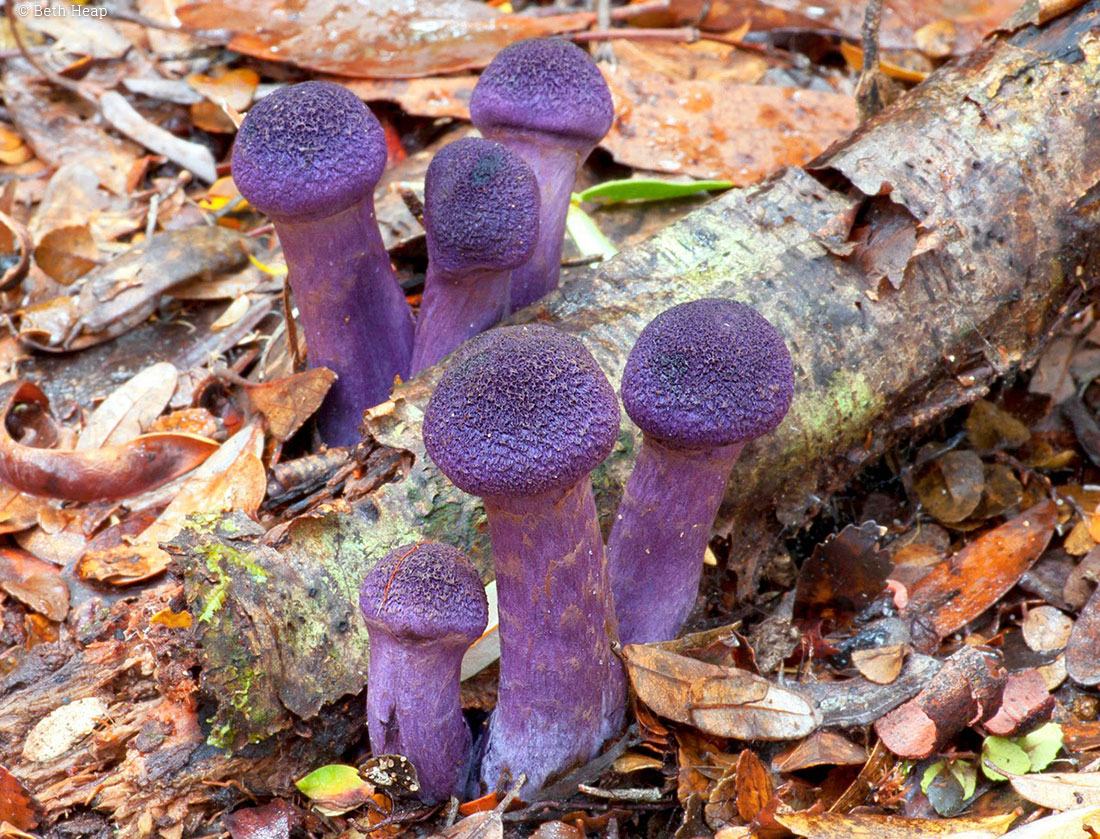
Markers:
(481, 213)
(545, 99)
(703, 379)
(423, 605)
(520, 419)
(309, 156)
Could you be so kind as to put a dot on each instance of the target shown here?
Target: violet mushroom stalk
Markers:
(309, 156)
(703, 379)
(545, 99)
(424, 605)
(481, 215)
(520, 419)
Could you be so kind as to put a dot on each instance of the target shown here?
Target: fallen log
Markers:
(909, 268)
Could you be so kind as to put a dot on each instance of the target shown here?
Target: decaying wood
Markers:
(909, 268)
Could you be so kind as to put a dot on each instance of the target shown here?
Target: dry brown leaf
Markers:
(723, 701)
(289, 402)
(868, 826)
(1059, 790)
(233, 87)
(715, 129)
(233, 478)
(375, 39)
(950, 487)
(16, 804)
(1082, 663)
(963, 586)
(131, 408)
(753, 785)
(109, 473)
(46, 594)
(67, 253)
(822, 748)
(880, 665)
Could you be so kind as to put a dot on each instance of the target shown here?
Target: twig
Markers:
(291, 330)
(869, 99)
(685, 34)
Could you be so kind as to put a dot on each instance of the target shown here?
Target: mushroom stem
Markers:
(659, 534)
(455, 309)
(414, 708)
(562, 688)
(348, 301)
(555, 168)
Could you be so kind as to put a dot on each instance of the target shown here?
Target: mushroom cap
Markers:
(547, 86)
(308, 151)
(426, 591)
(481, 207)
(521, 411)
(708, 373)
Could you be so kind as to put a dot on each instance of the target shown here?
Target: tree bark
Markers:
(908, 268)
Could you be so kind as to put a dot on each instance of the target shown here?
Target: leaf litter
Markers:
(932, 558)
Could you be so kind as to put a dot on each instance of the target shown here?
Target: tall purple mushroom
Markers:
(520, 419)
(703, 379)
(309, 156)
(423, 605)
(481, 214)
(546, 99)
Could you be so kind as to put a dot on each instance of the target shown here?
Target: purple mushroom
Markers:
(703, 379)
(309, 156)
(521, 418)
(424, 605)
(481, 213)
(545, 99)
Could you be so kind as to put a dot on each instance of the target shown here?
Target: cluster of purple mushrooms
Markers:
(520, 418)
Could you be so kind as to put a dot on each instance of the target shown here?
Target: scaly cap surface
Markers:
(546, 86)
(481, 207)
(308, 151)
(425, 592)
(521, 411)
(708, 373)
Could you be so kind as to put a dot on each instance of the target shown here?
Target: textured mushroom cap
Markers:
(481, 207)
(708, 373)
(308, 151)
(544, 85)
(425, 592)
(521, 411)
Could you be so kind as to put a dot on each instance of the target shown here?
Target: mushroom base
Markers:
(656, 545)
(414, 709)
(352, 310)
(562, 689)
(555, 170)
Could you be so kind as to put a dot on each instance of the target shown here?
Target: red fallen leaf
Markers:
(373, 39)
(105, 474)
(16, 806)
(963, 586)
(271, 821)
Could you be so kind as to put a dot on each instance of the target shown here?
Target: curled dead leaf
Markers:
(104, 474)
(723, 701)
(15, 249)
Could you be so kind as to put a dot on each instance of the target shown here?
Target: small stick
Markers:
(685, 34)
(869, 99)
